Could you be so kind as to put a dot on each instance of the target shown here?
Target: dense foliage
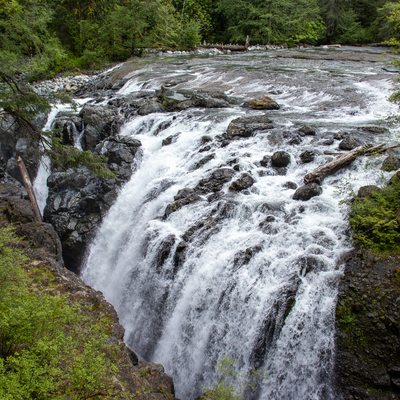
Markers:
(376, 221)
(48, 349)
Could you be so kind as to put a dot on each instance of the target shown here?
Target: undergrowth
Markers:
(375, 221)
(48, 348)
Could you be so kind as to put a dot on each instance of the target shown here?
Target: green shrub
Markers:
(374, 221)
(191, 35)
(48, 348)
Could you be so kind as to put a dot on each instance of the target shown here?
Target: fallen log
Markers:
(222, 47)
(29, 189)
(331, 167)
(344, 160)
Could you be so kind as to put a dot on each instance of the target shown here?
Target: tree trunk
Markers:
(28, 187)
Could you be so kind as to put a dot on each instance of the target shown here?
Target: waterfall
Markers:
(254, 274)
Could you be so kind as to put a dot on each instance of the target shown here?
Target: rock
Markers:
(99, 122)
(68, 127)
(246, 126)
(244, 182)
(206, 139)
(204, 161)
(151, 106)
(327, 142)
(210, 99)
(183, 197)
(170, 139)
(119, 84)
(265, 162)
(216, 180)
(306, 192)
(204, 149)
(366, 191)
(349, 143)
(374, 129)
(78, 200)
(307, 130)
(280, 159)
(263, 103)
(391, 163)
(307, 156)
(340, 135)
(290, 185)
(162, 126)
(294, 139)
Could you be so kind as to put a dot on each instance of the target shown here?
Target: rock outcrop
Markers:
(368, 328)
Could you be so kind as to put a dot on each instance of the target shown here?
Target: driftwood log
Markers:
(231, 47)
(29, 189)
(344, 160)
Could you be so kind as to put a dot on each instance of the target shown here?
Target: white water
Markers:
(187, 316)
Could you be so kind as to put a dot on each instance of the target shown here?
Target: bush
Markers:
(48, 349)
(374, 220)
(191, 35)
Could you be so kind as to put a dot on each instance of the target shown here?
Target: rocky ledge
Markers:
(138, 379)
(368, 328)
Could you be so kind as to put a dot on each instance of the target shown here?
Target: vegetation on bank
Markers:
(49, 349)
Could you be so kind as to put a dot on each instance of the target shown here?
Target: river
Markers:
(262, 294)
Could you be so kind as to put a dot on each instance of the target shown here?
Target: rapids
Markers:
(271, 307)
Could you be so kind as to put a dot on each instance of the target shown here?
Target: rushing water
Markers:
(271, 307)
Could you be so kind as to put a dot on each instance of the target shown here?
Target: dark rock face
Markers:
(244, 182)
(391, 163)
(67, 127)
(280, 159)
(349, 143)
(368, 329)
(151, 106)
(263, 103)
(246, 126)
(307, 156)
(15, 143)
(78, 200)
(210, 99)
(306, 192)
(366, 191)
(307, 130)
(204, 161)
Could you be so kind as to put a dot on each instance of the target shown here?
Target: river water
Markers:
(264, 296)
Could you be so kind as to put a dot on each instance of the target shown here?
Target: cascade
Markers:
(251, 274)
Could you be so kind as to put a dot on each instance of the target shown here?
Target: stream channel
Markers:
(251, 274)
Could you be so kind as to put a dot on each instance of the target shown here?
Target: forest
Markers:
(60, 35)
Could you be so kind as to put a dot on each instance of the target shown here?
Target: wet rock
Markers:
(162, 126)
(266, 161)
(243, 257)
(306, 192)
(164, 251)
(179, 256)
(210, 99)
(307, 156)
(170, 139)
(294, 139)
(340, 135)
(290, 185)
(366, 191)
(374, 129)
(244, 182)
(206, 139)
(309, 264)
(307, 130)
(327, 142)
(391, 163)
(246, 126)
(204, 149)
(183, 197)
(151, 106)
(280, 159)
(119, 84)
(68, 128)
(349, 143)
(263, 103)
(204, 161)
(216, 180)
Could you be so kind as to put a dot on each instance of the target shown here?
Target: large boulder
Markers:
(210, 99)
(391, 163)
(306, 192)
(244, 182)
(246, 126)
(280, 159)
(349, 143)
